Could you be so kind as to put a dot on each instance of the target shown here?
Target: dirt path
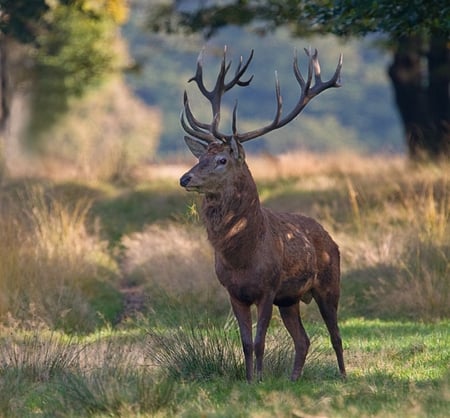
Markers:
(134, 301)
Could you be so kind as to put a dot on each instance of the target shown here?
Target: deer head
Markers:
(220, 155)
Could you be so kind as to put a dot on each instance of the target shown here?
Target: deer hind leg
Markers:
(328, 305)
(291, 319)
(243, 315)
(265, 308)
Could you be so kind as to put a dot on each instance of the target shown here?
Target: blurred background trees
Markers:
(415, 32)
(68, 50)
(83, 78)
(54, 54)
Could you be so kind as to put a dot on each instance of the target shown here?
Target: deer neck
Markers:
(233, 218)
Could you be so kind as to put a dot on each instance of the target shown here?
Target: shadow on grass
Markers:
(131, 210)
(356, 299)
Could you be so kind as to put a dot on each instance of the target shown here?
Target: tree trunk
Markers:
(5, 86)
(439, 93)
(421, 80)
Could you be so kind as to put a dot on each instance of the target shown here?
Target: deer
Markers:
(262, 257)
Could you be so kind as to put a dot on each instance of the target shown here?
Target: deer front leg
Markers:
(244, 318)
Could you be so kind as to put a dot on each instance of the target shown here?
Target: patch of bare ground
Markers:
(133, 301)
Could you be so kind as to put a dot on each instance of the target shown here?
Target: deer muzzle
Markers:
(185, 179)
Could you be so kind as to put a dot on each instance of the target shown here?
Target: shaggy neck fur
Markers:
(234, 220)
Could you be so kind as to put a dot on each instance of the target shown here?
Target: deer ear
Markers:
(237, 149)
(197, 146)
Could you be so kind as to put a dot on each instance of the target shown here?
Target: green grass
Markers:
(395, 368)
(68, 248)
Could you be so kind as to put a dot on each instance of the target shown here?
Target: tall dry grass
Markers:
(401, 227)
(174, 264)
(390, 218)
(51, 268)
(422, 286)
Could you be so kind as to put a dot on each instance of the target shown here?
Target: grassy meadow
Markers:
(109, 305)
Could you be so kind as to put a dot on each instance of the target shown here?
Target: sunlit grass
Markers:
(394, 367)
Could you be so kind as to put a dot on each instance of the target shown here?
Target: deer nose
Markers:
(185, 179)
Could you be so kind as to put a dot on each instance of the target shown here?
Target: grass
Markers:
(52, 268)
(69, 250)
(395, 369)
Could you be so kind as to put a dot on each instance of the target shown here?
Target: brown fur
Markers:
(264, 257)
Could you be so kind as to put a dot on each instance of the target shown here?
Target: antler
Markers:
(307, 93)
(210, 133)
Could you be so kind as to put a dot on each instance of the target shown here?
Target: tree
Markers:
(18, 19)
(68, 51)
(417, 32)
(74, 55)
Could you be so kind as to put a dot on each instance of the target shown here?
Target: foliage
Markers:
(177, 272)
(71, 47)
(421, 289)
(345, 17)
(18, 18)
(63, 70)
(116, 10)
(198, 353)
(395, 19)
(63, 376)
(398, 369)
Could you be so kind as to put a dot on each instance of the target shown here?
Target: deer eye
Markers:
(222, 161)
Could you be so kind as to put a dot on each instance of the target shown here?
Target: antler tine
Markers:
(240, 71)
(193, 126)
(193, 122)
(276, 119)
(234, 124)
(319, 85)
(198, 77)
(316, 66)
(298, 74)
(310, 71)
(279, 100)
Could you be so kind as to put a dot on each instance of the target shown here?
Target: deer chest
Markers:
(250, 284)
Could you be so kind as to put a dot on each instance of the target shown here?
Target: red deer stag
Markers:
(262, 257)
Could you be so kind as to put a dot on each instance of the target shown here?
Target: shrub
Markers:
(198, 352)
